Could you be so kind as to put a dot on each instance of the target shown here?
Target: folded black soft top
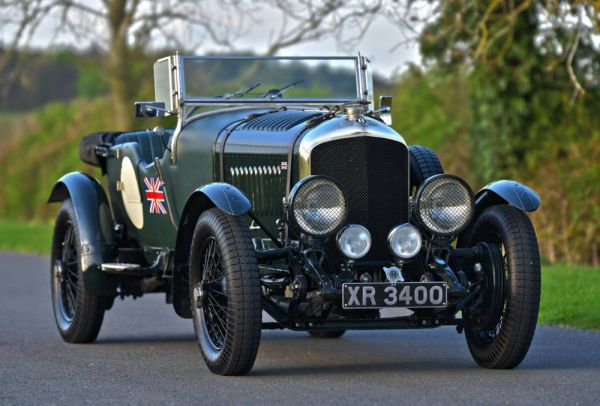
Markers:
(87, 146)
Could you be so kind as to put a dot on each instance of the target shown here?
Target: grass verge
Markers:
(571, 297)
(570, 294)
(25, 237)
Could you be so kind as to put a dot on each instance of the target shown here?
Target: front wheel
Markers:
(424, 163)
(78, 313)
(225, 292)
(505, 345)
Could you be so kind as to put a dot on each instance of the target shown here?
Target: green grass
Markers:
(25, 237)
(570, 294)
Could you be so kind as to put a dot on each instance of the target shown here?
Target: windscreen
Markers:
(226, 80)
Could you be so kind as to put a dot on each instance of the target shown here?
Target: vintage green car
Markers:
(292, 196)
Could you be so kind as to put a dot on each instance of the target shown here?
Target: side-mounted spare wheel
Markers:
(225, 292)
(77, 312)
(502, 340)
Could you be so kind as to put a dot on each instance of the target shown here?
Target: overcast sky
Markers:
(380, 42)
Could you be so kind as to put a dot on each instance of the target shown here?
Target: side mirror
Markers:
(150, 109)
(385, 109)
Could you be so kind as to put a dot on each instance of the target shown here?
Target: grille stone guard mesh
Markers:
(374, 174)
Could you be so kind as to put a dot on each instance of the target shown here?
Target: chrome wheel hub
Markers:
(199, 295)
(58, 272)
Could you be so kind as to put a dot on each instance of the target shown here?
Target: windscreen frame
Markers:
(177, 99)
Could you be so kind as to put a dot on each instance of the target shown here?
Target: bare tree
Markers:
(124, 28)
(308, 20)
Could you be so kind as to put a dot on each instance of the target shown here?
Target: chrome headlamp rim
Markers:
(292, 201)
(423, 188)
(348, 227)
(395, 230)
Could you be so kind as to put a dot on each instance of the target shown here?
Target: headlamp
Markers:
(318, 206)
(354, 241)
(405, 241)
(444, 205)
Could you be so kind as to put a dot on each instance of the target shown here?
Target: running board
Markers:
(119, 267)
(160, 267)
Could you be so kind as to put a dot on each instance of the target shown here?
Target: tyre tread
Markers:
(89, 309)
(244, 315)
(424, 163)
(510, 347)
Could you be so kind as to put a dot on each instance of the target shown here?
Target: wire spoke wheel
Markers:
(214, 288)
(225, 293)
(489, 335)
(505, 343)
(77, 312)
(65, 279)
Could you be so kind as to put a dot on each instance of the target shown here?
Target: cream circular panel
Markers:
(131, 193)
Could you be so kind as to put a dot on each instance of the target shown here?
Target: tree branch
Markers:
(578, 89)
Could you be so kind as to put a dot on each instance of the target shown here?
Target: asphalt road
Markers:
(145, 354)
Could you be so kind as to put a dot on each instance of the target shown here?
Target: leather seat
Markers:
(150, 145)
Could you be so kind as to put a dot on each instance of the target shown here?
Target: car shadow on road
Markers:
(289, 354)
(396, 366)
(371, 355)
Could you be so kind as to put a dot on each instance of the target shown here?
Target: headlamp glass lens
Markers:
(445, 205)
(319, 207)
(354, 241)
(405, 241)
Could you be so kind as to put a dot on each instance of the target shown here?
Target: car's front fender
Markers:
(507, 192)
(227, 198)
(96, 227)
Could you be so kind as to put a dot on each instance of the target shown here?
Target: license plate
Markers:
(402, 294)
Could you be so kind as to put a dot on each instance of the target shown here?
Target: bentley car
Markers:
(283, 190)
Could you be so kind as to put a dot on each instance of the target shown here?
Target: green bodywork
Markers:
(253, 162)
(211, 159)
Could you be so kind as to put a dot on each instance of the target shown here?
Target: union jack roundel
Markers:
(155, 195)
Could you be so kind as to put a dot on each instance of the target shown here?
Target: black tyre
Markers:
(225, 292)
(78, 313)
(424, 163)
(327, 333)
(506, 345)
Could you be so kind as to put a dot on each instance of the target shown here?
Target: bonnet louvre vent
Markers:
(280, 120)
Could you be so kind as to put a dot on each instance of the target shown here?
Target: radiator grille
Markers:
(261, 178)
(374, 174)
(263, 184)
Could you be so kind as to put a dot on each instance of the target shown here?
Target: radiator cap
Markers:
(355, 111)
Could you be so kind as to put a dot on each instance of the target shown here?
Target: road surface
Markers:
(145, 354)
